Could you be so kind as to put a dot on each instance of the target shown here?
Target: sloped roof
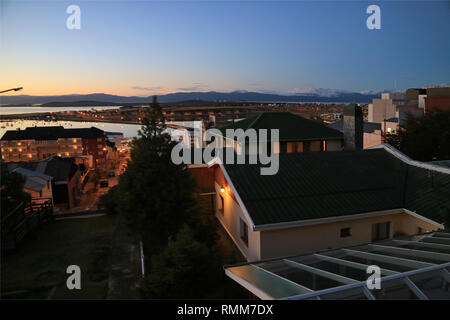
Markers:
(52, 133)
(315, 185)
(33, 180)
(60, 169)
(292, 127)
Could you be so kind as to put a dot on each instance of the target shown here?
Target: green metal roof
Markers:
(314, 185)
(292, 127)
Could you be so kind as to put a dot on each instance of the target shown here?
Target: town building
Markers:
(414, 102)
(38, 143)
(386, 107)
(65, 178)
(372, 135)
(296, 134)
(37, 184)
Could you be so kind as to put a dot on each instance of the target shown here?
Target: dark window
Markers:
(346, 232)
(381, 231)
(243, 231)
(221, 204)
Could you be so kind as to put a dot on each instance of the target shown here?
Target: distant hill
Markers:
(235, 96)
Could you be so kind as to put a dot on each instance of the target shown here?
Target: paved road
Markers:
(125, 271)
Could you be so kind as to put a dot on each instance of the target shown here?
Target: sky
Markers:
(140, 48)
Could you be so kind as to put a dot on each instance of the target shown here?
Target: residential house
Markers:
(326, 200)
(37, 184)
(65, 174)
(296, 134)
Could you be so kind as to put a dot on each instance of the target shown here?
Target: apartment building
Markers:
(37, 143)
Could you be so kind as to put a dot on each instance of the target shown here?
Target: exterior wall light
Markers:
(222, 190)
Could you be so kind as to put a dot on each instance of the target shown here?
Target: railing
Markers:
(24, 220)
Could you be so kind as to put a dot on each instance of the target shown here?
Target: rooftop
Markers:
(52, 133)
(414, 267)
(292, 127)
(316, 185)
(60, 169)
(34, 180)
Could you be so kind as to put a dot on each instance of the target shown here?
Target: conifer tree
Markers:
(156, 196)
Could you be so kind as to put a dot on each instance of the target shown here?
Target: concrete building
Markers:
(386, 107)
(326, 200)
(372, 134)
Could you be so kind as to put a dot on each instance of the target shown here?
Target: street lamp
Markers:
(13, 89)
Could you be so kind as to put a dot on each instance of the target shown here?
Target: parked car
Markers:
(104, 184)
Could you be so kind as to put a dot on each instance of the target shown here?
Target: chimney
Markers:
(353, 127)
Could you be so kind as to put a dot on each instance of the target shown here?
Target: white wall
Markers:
(298, 240)
(230, 221)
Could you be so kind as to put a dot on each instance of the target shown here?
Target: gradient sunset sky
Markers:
(155, 47)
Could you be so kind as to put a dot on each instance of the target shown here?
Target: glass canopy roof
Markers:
(417, 267)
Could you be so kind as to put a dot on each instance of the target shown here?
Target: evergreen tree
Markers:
(186, 269)
(424, 138)
(155, 195)
(12, 193)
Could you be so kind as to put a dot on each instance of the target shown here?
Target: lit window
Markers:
(29, 155)
(20, 149)
(75, 147)
(74, 140)
(294, 147)
(67, 154)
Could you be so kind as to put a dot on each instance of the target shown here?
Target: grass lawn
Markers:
(40, 262)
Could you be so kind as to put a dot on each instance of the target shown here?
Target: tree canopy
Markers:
(155, 195)
(186, 268)
(12, 193)
(425, 138)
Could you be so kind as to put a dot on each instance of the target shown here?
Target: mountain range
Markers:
(235, 96)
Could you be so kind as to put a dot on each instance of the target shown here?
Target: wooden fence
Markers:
(23, 220)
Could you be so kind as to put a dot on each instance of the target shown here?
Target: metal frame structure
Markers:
(420, 255)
